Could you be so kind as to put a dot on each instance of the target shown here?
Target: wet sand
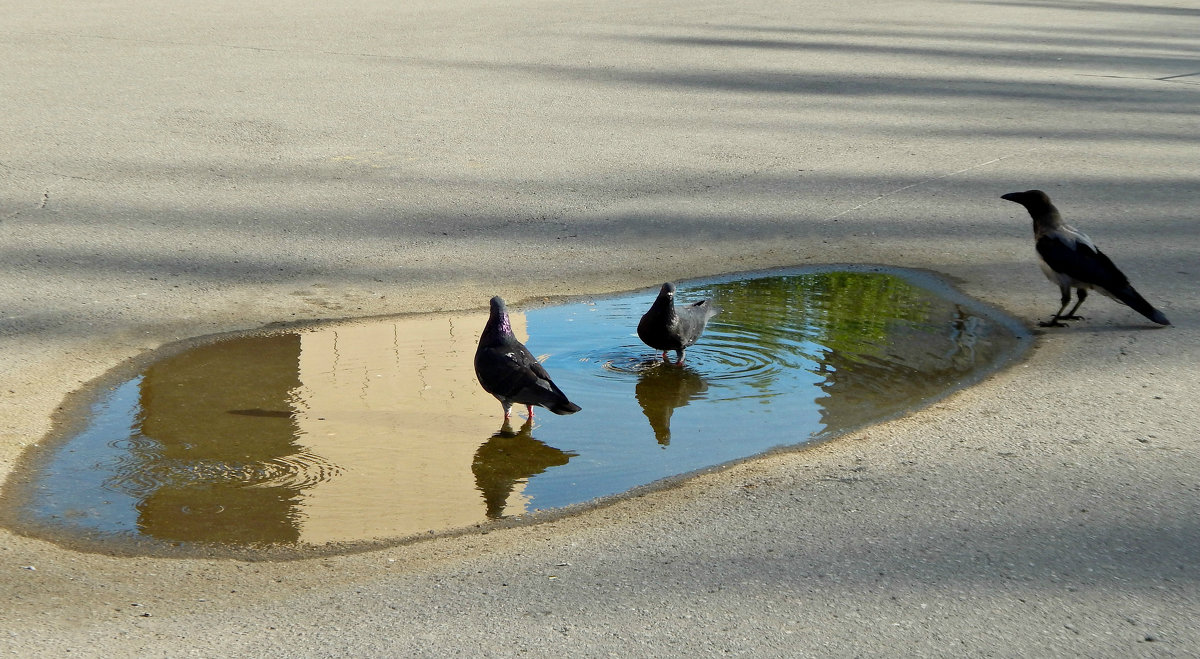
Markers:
(168, 175)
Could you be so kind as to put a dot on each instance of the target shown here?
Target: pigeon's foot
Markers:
(1053, 323)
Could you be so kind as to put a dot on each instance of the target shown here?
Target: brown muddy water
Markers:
(376, 430)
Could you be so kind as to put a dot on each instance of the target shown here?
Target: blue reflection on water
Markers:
(87, 462)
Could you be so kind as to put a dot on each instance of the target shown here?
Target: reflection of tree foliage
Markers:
(917, 357)
(508, 458)
(842, 311)
(881, 344)
(859, 309)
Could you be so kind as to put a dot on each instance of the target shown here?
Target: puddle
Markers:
(377, 431)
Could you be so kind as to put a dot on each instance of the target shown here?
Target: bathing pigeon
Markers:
(667, 327)
(508, 371)
(1069, 259)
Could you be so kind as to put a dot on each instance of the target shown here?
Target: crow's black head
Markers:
(1034, 200)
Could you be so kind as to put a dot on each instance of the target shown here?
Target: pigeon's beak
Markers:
(1012, 196)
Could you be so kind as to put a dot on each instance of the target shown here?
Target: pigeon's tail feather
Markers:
(1139, 304)
(565, 407)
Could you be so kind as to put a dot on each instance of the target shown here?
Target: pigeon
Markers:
(507, 370)
(667, 327)
(1070, 260)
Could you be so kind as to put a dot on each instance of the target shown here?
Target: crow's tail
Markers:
(1140, 305)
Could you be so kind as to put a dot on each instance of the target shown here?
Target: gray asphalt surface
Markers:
(172, 171)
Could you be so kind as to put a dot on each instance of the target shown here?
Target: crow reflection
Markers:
(661, 389)
(508, 458)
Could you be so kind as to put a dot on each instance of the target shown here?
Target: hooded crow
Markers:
(1070, 260)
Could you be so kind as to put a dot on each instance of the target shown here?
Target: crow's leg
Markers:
(1066, 299)
(1081, 295)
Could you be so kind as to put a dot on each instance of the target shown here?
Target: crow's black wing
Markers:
(1081, 262)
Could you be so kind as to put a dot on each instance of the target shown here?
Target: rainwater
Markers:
(376, 431)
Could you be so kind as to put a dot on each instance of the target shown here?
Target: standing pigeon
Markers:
(507, 370)
(667, 327)
(1070, 260)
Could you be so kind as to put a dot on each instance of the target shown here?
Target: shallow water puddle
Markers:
(377, 430)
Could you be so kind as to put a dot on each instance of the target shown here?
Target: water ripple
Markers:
(140, 474)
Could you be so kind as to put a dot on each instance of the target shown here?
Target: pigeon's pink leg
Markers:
(529, 408)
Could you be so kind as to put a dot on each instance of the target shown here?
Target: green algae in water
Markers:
(377, 430)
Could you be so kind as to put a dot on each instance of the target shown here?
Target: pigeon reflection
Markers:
(508, 458)
(664, 387)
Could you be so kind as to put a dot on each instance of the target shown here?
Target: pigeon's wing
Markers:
(549, 395)
(510, 371)
(1080, 261)
(692, 320)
